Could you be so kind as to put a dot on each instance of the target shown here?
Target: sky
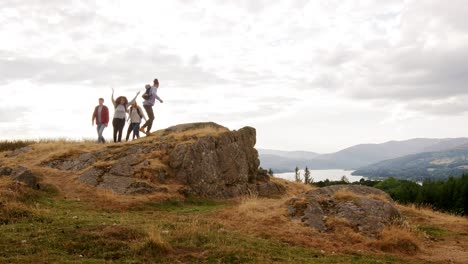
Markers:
(317, 75)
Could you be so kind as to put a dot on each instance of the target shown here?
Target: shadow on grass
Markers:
(189, 205)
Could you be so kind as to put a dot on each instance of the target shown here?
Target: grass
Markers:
(66, 222)
(397, 240)
(345, 195)
(166, 232)
(434, 232)
(9, 145)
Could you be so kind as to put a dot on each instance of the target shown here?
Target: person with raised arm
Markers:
(120, 114)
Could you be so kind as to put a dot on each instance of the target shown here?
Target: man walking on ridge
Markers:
(150, 98)
(101, 116)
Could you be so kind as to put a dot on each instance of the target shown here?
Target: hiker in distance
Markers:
(120, 115)
(101, 117)
(135, 116)
(150, 97)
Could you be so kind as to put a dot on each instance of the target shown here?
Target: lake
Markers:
(321, 175)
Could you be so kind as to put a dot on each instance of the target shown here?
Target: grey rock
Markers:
(140, 188)
(18, 152)
(24, 175)
(6, 171)
(368, 210)
(98, 177)
(117, 184)
(270, 189)
(216, 166)
(73, 163)
(91, 176)
(127, 166)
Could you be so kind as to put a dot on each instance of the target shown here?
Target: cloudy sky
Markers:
(309, 75)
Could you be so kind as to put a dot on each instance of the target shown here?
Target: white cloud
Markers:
(281, 66)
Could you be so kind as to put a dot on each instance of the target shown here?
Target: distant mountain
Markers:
(289, 154)
(433, 165)
(284, 161)
(366, 154)
(356, 156)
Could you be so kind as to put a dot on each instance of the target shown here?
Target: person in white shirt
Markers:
(120, 114)
(135, 116)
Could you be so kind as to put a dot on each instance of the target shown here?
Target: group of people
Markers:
(135, 114)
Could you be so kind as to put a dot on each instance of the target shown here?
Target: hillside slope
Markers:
(428, 165)
(68, 220)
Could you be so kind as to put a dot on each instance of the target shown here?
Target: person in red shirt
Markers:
(101, 117)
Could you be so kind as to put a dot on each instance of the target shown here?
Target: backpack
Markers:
(138, 111)
(147, 93)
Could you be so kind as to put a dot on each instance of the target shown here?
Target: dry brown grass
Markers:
(11, 190)
(200, 132)
(427, 216)
(16, 201)
(345, 195)
(379, 197)
(45, 151)
(397, 240)
(268, 218)
(293, 188)
(154, 245)
(337, 224)
(449, 248)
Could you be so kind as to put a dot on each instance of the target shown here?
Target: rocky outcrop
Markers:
(73, 162)
(216, 166)
(21, 174)
(117, 178)
(365, 209)
(208, 159)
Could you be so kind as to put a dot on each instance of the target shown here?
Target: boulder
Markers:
(214, 166)
(24, 175)
(365, 209)
(208, 159)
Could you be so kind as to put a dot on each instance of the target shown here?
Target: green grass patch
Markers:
(434, 231)
(190, 205)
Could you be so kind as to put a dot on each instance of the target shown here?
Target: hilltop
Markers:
(194, 193)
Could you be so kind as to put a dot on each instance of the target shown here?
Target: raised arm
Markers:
(113, 101)
(134, 99)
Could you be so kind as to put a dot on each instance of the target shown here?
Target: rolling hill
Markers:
(356, 156)
(433, 165)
